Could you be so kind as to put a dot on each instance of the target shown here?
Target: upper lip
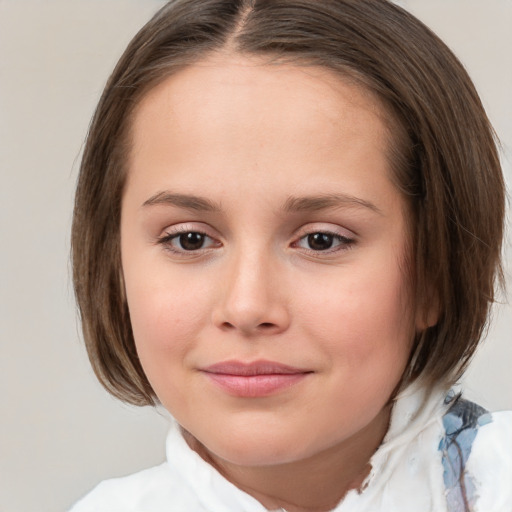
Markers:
(261, 367)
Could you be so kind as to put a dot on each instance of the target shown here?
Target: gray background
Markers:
(59, 431)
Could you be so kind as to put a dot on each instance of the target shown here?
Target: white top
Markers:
(438, 448)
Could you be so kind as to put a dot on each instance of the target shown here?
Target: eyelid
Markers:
(174, 231)
(188, 226)
(345, 237)
(325, 227)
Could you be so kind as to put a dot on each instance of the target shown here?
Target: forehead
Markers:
(233, 88)
(231, 118)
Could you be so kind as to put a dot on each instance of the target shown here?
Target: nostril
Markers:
(266, 325)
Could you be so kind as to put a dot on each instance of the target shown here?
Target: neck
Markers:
(314, 484)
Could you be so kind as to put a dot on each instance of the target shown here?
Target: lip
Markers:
(254, 379)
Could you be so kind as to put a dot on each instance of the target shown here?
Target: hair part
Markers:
(443, 154)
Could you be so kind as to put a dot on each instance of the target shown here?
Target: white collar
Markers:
(415, 408)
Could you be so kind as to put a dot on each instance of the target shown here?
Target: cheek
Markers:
(364, 318)
(167, 314)
(166, 325)
(165, 305)
(163, 317)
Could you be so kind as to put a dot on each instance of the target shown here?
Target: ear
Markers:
(122, 287)
(428, 311)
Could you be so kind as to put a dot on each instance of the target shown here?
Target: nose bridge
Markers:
(251, 299)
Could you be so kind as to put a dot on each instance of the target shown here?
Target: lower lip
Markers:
(254, 386)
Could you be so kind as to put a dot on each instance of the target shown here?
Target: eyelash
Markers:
(344, 242)
(167, 239)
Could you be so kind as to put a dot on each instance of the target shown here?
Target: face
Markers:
(263, 250)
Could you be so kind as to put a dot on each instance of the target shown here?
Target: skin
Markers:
(245, 137)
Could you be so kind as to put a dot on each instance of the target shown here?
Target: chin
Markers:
(262, 449)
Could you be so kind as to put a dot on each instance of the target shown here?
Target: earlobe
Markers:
(122, 287)
(427, 315)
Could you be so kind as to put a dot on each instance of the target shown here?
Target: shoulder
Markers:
(157, 489)
(490, 463)
(477, 458)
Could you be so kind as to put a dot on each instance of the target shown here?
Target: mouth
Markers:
(256, 379)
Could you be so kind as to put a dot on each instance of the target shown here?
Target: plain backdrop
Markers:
(60, 433)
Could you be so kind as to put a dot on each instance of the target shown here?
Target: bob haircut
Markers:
(442, 153)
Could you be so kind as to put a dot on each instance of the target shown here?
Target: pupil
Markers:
(191, 241)
(320, 241)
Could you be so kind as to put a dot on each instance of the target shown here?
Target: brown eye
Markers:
(187, 241)
(324, 241)
(191, 241)
(320, 241)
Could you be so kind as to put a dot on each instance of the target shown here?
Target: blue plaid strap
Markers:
(461, 424)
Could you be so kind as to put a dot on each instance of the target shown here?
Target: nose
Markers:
(253, 298)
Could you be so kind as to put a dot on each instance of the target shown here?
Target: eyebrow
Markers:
(292, 204)
(323, 202)
(189, 202)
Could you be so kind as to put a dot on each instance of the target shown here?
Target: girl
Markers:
(287, 231)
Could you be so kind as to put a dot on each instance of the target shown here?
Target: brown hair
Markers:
(445, 162)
